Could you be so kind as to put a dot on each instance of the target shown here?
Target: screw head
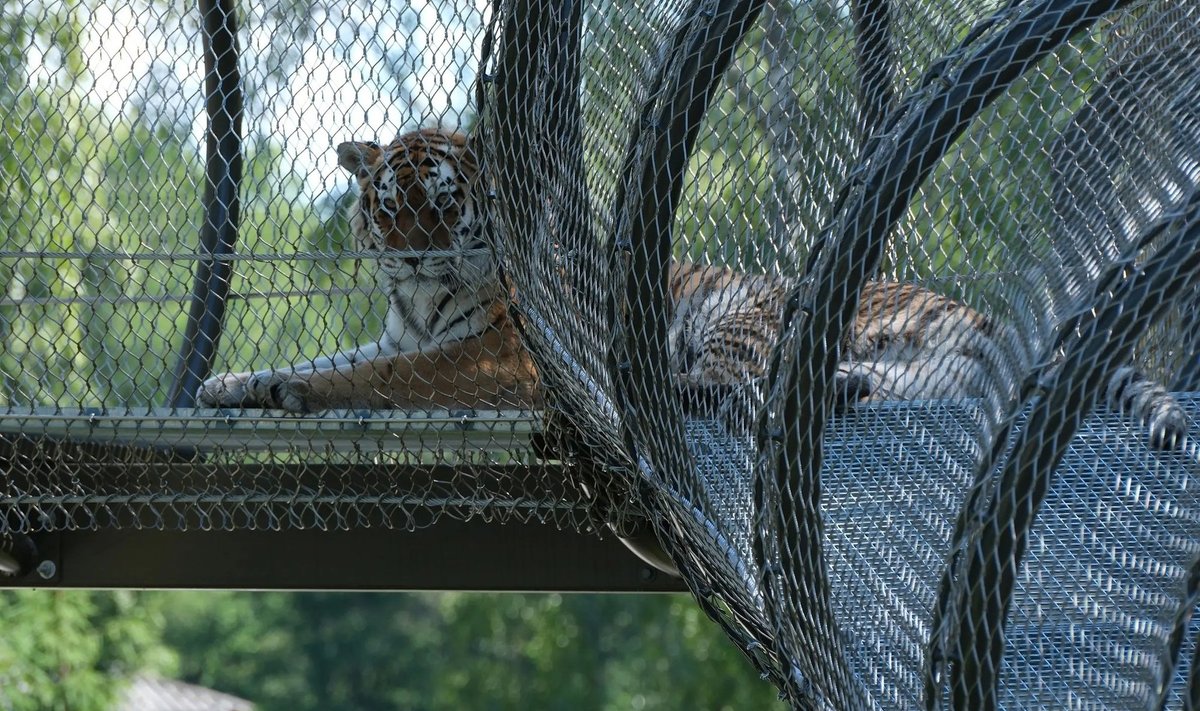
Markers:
(47, 569)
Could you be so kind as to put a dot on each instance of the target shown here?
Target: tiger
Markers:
(451, 339)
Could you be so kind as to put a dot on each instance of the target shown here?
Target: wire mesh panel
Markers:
(864, 318)
(175, 209)
(814, 209)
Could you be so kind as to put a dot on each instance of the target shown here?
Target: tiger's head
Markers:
(418, 207)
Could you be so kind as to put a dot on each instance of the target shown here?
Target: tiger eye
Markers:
(390, 205)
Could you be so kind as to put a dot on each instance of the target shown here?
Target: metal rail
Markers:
(259, 430)
(876, 61)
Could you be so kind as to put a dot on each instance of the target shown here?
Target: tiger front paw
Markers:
(225, 390)
(269, 391)
(1168, 425)
(851, 388)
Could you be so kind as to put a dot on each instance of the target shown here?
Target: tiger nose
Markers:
(413, 261)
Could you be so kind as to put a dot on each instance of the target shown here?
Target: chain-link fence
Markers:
(174, 209)
(873, 320)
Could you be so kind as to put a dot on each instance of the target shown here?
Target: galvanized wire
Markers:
(687, 209)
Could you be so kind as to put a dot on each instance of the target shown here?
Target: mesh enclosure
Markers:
(175, 209)
(872, 320)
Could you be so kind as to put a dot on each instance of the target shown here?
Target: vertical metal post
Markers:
(223, 176)
(873, 50)
(645, 217)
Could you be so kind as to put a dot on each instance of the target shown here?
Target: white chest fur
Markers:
(427, 313)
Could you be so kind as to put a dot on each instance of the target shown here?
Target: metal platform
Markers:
(1095, 603)
(148, 498)
(1097, 596)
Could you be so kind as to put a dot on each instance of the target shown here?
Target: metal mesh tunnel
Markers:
(872, 321)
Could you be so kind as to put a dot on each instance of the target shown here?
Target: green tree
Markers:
(443, 651)
(75, 650)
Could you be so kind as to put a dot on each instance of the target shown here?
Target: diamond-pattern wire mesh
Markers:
(996, 225)
(687, 200)
(104, 213)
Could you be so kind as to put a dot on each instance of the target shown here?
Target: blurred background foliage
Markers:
(313, 651)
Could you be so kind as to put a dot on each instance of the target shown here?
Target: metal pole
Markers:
(876, 96)
(848, 255)
(223, 175)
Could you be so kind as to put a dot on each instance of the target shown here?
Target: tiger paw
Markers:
(1168, 425)
(851, 388)
(282, 393)
(270, 391)
(226, 390)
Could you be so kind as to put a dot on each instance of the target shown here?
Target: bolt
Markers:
(47, 569)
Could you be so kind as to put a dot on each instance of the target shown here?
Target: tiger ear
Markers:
(358, 157)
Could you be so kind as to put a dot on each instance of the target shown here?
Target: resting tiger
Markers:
(449, 340)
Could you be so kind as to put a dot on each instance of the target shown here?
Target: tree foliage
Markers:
(299, 651)
(74, 650)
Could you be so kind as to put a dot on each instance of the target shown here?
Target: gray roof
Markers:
(149, 693)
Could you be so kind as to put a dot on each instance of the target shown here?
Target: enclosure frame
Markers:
(474, 556)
